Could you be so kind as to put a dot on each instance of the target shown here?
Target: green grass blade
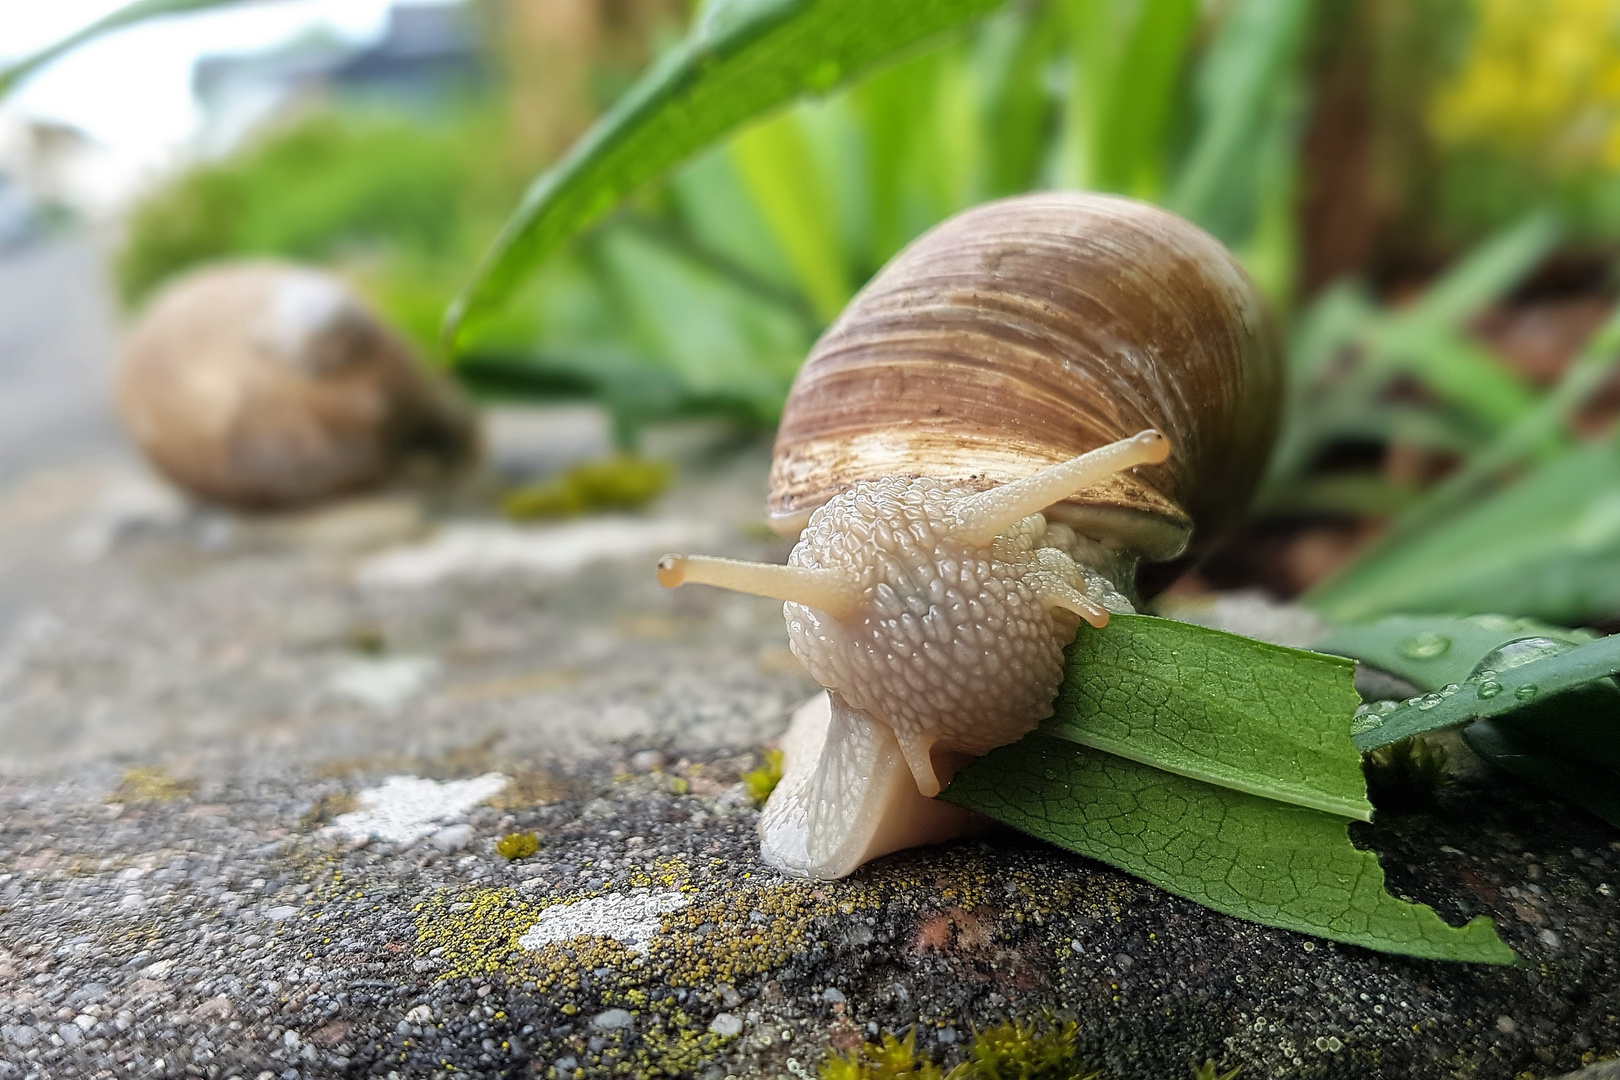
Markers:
(1540, 426)
(784, 181)
(1253, 858)
(1431, 651)
(1486, 273)
(742, 58)
(1467, 376)
(1497, 695)
(1018, 106)
(1129, 152)
(1547, 547)
(1228, 710)
(1258, 42)
(128, 15)
(1592, 787)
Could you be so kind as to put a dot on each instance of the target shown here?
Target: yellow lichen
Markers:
(151, 783)
(763, 780)
(515, 846)
(1006, 1051)
(619, 483)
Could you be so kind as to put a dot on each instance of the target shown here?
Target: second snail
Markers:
(1026, 403)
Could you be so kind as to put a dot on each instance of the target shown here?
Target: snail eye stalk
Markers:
(989, 513)
(829, 591)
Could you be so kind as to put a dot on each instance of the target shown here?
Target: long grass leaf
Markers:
(742, 58)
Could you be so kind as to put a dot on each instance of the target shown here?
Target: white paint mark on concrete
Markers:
(631, 918)
(485, 551)
(407, 808)
(384, 685)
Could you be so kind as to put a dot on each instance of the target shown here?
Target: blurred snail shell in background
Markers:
(264, 385)
(1023, 405)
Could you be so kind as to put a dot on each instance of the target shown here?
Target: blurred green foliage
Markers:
(701, 292)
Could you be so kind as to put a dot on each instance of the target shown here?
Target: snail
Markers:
(1027, 402)
(263, 384)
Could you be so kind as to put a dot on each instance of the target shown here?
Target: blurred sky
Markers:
(131, 91)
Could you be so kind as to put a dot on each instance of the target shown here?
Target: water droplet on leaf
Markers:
(1518, 653)
(1489, 688)
(1527, 692)
(1424, 646)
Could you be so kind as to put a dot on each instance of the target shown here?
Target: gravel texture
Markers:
(211, 868)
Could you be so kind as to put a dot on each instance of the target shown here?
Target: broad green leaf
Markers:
(718, 340)
(742, 58)
(1547, 547)
(1431, 651)
(1239, 713)
(1490, 694)
(128, 15)
(1253, 858)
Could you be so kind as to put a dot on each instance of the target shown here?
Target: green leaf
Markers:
(1430, 651)
(128, 15)
(1253, 858)
(1489, 695)
(1547, 547)
(742, 58)
(1213, 706)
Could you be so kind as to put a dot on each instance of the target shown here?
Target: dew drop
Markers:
(1489, 688)
(1527, 692)
(1429, 701)
(1424, 646)
(1449, 689)
(1517, 653)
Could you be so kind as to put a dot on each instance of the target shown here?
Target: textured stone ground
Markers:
(196, 714)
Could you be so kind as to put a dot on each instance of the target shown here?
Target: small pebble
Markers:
(612, 1020)
(726, 1025)
(646, 761)
(453, 837)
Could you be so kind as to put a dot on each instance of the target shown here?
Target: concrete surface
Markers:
(209, 867)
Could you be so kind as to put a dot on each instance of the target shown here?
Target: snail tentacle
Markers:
(989, 513)
(835, 593)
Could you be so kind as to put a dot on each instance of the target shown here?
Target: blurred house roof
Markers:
(429, 54)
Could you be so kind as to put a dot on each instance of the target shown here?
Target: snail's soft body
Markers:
(1029, 400)
(263, 384)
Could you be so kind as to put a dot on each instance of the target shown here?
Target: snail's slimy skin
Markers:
(957, 646)
(936, 618)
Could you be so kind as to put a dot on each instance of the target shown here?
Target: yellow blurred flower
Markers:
(1541, 77)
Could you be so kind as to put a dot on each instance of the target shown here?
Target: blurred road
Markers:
(57, 334)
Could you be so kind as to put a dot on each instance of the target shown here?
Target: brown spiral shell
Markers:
(1026, 331)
